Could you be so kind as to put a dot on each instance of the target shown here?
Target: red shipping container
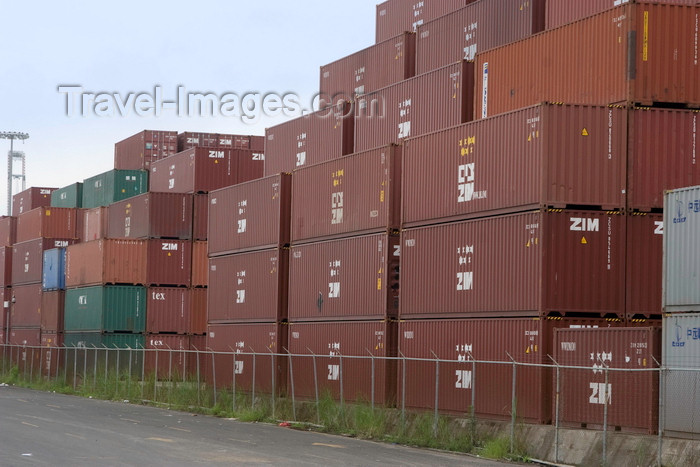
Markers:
(200, 265)
(95, 224)
(151, 215)
(250, 216)
(200, 217)
(368, 70)
(663, 155)
(631, 398)
(5, 266)
(107, 262)
(8, 230)
(249, 287)
(639, 53)
(169, 263)
(645, 244)
(51, 353)
(29, 337)
(25, 310)
(52, 307)
(547, 155)
(142, 149)
(536, 263)
(190, 140)
(397, 16)
(31, 198)
(475, 28)
(169, 310)
(426, 103)
(351, 378)
(198, 323)
(5, 301)
(355, 278)
(352, 195)
(28, 259)
(172, 355)
(313, 138)
(47, 222)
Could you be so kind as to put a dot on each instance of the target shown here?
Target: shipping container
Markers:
(151, 215)
(351, 379)
(317, 137)
(248, 287)
(54, 269)
(200, 217)
(107, 262)
(169, 310)
(354, 278)
(47, 222)
(8, 230)
(25, 308)
(250, 216)
(172, 357)
(89, 340)
(189, 140)
(368, 70)
(546, 155)
(200, 265)
(115, 185)
(5, 301)
(663, 155)
(396, 16)
(106, 309)
(640, 53)
(477, 27)
(198, 300)
(95, 224)
(169, 263)
(51, 354)
(645, 244)
(538, 263)
(31, 198)
(352, 195)
(28, 259)
(5, 266)
(610, 387)
(29, 337)
(52, 310)
(70, 196)
(137, 152)
(429, 102)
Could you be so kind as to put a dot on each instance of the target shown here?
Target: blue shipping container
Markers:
(54, 276)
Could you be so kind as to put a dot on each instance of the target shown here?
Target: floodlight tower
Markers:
(11, 156)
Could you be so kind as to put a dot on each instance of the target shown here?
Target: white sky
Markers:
(130, 47)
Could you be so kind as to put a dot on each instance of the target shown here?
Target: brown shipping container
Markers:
(475, 28)
(95, 224)
(370, 69)
(198, 313)
(190, 140)
(352, 378)
(355, 278)
(169, 310)
(169, 263)
(8, 230)
(172, 355)
(47, 222)
(30, 337)
(51, 353)
(200, 265)
(151, 215)
(639, 53)
(5, 301)
(25, 310)
(200, 217)
(630, 399)
(6, 266)
(28, 259)
(250, 216)
(546, 155)
(429, 102)
(313, 138)
(645, 244)
(530, 264)
(142, 149)
(31, 198)
(249, 287)
(663, 155)
(396, 16)
(106, 262)
(52, 306)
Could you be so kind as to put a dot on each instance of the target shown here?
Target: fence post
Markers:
(513, 405)
(473, 401)
(155, 377)
(128, 380)
(31, 368)
(58, 363)
(372, 357)
(437, 393)
(41, 362)
(252, 403)
(233, 403)
(318, 409)
(94, 372)
(170, 374)
(605, 417)
(340, 369)
(662, 394)
(291, 378)
(199, 385)
(213, 374)
(75, 366)
(403, 391)
(272, 371)
(556, 411)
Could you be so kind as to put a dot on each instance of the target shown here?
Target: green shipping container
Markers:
(113, 308)
(100, 340)
(70, 196)
(113, 186)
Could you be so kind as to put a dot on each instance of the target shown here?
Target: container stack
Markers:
(8, 232)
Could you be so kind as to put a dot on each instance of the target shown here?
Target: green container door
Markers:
(111, 341)
(113, 186)
(124, 341)
(83, 310)
(106, 309)
(82, 339)
(70, 196)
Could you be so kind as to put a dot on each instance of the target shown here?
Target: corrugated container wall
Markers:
(100, 340)
(25, 311)
(396, 16)
(352, 195)
(645, 244)
(52, 310)
(169, 263)
(200, 265)
(95, 224)
(115, 185)
(5, 266)
(151, 215)
(47, 222)
(138, 151)
(54, 269)
(200, 217)
(546, 155)
(106, 309)
(29, 337)
(169, 310)
(426, 103)
(28, 259)
(477, 27)
(173, 356)
(8, 230)
(198, 313)
(70, 196)
(190, 140)
(529, 264)
(107, 262)
(639, 53)
(31, 198)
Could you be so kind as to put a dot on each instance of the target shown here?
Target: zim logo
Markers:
(581, 224)
(216, 155)
(169, 247)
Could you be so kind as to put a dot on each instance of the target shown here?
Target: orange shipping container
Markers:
(200, 265)
(47, 222)
(106, 262)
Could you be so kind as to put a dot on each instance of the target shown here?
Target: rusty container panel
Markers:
(529, 264)
(429, 102)
(106, 262)
(313, 138)
(169, 310)
(475, 28)
(396, 16)
(249, 287)
(352, 195)
(189, 140)
(250, 216)
(151, 215)
(31, 198)
(52, 308)
(95, 224)
(8, 230)
(47, 222)
(330, 342)
(30, 337)
(368, 70)
(663, 155)
(354, 278)
(645, 245)
(5, 266)
(200, 217)
(139, 151)
(630, 398)
(25, 310)
(546, 155)
(639, 53)
(28, 259)
(169, 263)
(198, 314)
(200, 265)
(171, 357)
